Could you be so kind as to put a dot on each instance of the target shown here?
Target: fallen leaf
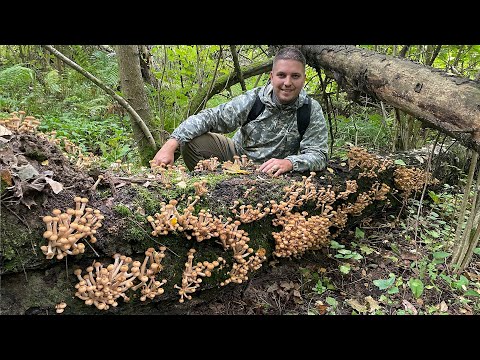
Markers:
(357, 306)
(44, 163)
(4, 131)
(146, 184)
(26, 172)
(322, 309)
(330, 170)
(182, 184)
(6, 176)
(372, 304)
(409, 307)
(443, 307)
(55, 185)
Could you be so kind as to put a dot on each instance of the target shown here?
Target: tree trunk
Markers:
(448, 103)
(132, 87)
(224, 82)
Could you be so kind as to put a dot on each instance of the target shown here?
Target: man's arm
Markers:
(167, 153)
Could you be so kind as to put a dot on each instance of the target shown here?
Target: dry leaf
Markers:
(55, 185)
(443, 307)
(44, 163)
(409, 307)
(372, 304)
(330, 170)
(6, 177)
(182, 184)
(357, 306)
(322, 309)
(4, 131)
(146, 184)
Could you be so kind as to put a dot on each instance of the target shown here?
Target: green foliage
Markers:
(16, 77)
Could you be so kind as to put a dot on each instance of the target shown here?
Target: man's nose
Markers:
(288, 81)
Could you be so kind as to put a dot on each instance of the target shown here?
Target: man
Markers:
(272, 139)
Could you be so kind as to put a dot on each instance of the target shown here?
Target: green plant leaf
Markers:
(441, 255)
(359, 233)
(400, 162)
(416, 285)
(344, 269)
(476, 251)
(384, 284)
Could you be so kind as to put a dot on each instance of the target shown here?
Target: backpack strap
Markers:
(303, 114)
(256, 110)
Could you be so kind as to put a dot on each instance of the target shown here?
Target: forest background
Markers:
(178, 80)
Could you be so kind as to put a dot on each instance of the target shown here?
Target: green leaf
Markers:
(344, 269)
(393, 290)
(384, 284)
(416, 285)
(331, 301)
(471, 293)
(476, 251)
(400, 162)
(441, 255)
(336, 245)
(434, 197)
(359, 233)
(366, 250)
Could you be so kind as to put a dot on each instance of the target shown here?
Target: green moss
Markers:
(147, 199)
(20, 244)
(46, 295)
(122, 210)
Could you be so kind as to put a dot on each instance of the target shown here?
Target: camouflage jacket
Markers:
(273, 134)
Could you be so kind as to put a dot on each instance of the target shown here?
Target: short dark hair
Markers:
(290, 53)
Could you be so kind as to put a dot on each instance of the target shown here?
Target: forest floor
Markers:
(314, 285)
(389, 265)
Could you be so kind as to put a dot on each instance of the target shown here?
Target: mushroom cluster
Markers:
(412, 179)
(102, 286)
(369, 164)
(192, 275)
(20, 123)
(239, 271)
(65, 229)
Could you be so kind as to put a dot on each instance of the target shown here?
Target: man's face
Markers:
(288, 78)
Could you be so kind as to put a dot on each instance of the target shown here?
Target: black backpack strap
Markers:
(303, 116)
(256, 110)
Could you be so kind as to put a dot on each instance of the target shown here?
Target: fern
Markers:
(16, 76)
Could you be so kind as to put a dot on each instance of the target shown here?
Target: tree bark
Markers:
(448, 103)
(134, 90)
(224, 82)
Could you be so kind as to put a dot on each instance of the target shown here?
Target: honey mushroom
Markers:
(63, 234)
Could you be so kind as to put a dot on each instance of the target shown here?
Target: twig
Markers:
(66, 266)
(91, 247)
(25, 272)
(18, 217)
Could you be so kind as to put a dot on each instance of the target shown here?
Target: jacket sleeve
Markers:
(314, 145)
(222, 119)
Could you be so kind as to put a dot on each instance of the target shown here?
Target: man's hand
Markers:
(166, 154)
(276, 166)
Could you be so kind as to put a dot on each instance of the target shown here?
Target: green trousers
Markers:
(206, 146)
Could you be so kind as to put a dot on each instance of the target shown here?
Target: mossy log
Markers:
(37, 178)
